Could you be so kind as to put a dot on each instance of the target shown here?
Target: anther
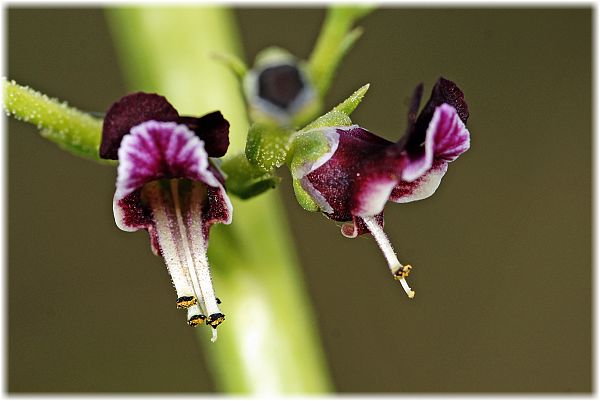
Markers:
(215, 319)
(402, 272)
(195, 320)
(186, 302)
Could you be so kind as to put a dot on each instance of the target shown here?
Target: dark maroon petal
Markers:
(213, 129)
(129, 111)
(415, 102)
(218, 209)
(444, 91)
(334, 180)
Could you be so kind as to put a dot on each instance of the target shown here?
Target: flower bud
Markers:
(279, 90)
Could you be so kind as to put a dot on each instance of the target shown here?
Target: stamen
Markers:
(399, 271)
(215, 319)
(195, 250)
(197, 239)
(195, 316)
(169, 244)
(185, 302)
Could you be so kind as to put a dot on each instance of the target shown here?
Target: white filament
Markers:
(177, 270)
(195, 250)
(388, 251)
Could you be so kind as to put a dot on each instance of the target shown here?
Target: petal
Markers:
(446, 138)
(418, 158)
(334, 180)
(128, 112)
(213, 129)
(422, 187)
(157, 150)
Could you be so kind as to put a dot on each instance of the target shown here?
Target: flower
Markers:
(360, 172)
(167, 185)
(278, 89)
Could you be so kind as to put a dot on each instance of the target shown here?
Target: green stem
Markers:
(73, 130)
(335, 39)
(269, 342)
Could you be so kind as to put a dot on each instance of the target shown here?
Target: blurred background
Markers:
(501, 254)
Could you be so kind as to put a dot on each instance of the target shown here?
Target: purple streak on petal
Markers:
(213, 129)
(358, 227)
(422, 187)
(447, 134)
(412, 142)
(334, 179)
(128, 112)
(153, 151)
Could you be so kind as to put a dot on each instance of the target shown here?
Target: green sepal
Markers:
(267, 146)
(307, 147)
(339, 116)
(245, 180)
(303, 198)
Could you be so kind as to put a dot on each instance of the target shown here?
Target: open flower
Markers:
(167, 185)
(360, 172)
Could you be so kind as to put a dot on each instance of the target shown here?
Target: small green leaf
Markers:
(350, 104)
(333, 118)
(73, 130)
(245, 180)
(339, 116)
(267, 146)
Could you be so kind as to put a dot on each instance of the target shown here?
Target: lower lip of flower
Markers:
(176, 206)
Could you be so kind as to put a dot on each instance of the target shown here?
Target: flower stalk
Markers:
(73, 130)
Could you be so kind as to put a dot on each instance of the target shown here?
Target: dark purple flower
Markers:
(167, 185)
(361, 172)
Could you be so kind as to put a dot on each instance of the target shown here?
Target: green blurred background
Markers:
(502, 252)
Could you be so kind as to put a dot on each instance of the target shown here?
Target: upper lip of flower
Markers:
(361, 172)
(167, 185)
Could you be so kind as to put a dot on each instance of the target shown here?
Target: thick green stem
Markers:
(269, 342)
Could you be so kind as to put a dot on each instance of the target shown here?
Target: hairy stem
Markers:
(73, 130)
(269, 342)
